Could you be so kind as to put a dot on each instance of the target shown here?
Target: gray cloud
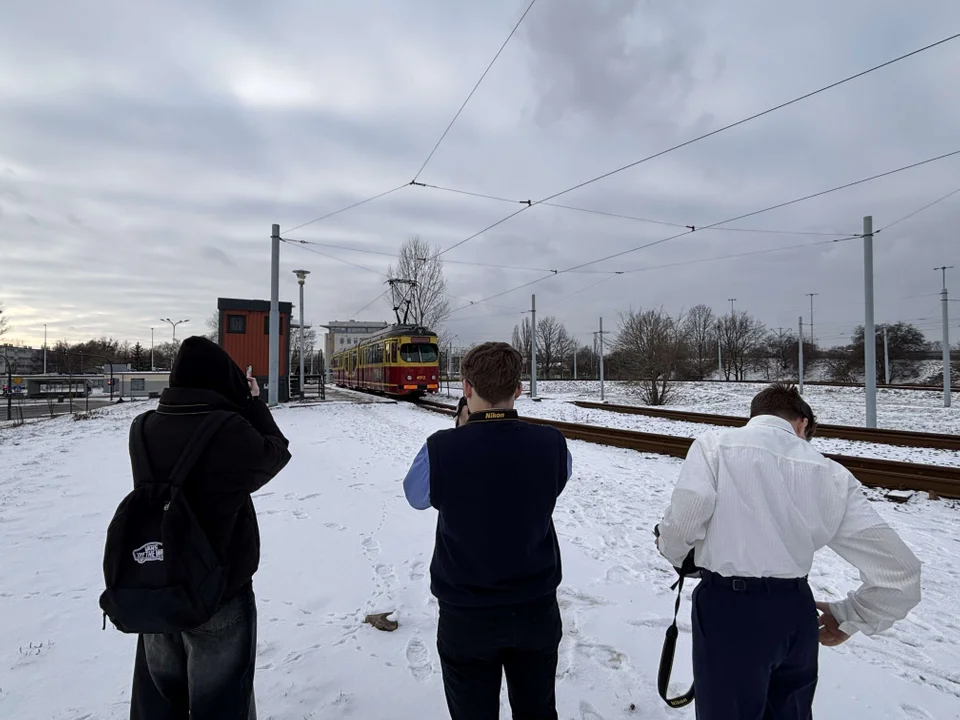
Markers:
(149, 148)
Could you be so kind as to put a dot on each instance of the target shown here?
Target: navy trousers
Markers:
(755, 646)
(478, 646)
(203, 674)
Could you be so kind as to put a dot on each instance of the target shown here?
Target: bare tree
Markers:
(701, 340)
(740, 335)
(650, 343)
(213, 327)
(422, 289)
(551, 341)
(522, 340)
(4, 321)
(309, 345)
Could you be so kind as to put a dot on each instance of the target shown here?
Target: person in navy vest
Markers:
(496, 565)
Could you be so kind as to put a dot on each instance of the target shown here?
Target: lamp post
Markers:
(450, 360)
(153, 365)
(301, 278)
(44, 348)
(174, 325)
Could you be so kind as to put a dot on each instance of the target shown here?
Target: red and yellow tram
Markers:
(402, 360)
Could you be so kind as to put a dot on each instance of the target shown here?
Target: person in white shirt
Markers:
(754, 504)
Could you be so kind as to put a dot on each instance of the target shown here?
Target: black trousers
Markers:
(478, 646)
(203, 674)
(755, 647)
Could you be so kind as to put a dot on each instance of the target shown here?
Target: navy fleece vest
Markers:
(495, 483)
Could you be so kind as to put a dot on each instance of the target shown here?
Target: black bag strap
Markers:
(667, 654)
(188, 457)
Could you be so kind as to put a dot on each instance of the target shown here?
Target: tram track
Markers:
(889, 474)
(902, 438)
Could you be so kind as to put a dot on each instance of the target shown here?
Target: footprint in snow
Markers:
(912, 712)
(587, 712)
(418, 659)
(371, 546)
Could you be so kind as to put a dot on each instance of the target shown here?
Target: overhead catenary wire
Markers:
(704, 136)
(918, 211)
(349, 207)
(620, 216)
(340, 260)
(475, 87)
(724, 222)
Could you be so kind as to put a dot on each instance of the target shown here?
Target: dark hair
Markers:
(493, 369)
(784, 401)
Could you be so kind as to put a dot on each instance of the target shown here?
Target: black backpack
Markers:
(162, 575)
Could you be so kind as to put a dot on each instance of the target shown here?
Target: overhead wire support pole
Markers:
(869, 330)
(533, 347)
(601, 334)
(812, 339)
(946, 335)
(800, 372)
(273, 376)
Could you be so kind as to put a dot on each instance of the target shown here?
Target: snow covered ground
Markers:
(339, 541)
(919, 410)
(553, 409)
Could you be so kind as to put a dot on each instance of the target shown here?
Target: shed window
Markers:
(138, 384)
(237, 324)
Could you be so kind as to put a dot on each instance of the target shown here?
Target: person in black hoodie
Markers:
(208, 672)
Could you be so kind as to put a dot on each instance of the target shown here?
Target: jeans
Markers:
(201, 674)
(755, 649)
(478, 645)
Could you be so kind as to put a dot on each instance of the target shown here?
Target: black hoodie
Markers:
(246, 453)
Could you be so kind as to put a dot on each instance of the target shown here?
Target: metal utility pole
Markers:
(946, 336)
(44, 348)
(575, 349)
(273, 377)
(869, 331)
(886, 358)
(800, 359)
(719, 358)
(812, 340)
(174, 325)
(533, 347)
(301, 278)
(732, 301)
(153, 365)
(601, 334)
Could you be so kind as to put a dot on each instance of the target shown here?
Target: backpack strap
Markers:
(138, 451)
(198, 443)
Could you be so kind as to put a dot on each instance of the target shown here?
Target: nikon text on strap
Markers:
(670, 644)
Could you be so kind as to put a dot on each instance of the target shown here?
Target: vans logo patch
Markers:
(151, 552)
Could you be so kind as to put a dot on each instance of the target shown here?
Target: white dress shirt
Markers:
(759, 501)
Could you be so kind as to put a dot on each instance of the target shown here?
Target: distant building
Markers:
(24, 360)
(344, 334)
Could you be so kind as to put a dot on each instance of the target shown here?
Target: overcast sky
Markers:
(147, 147)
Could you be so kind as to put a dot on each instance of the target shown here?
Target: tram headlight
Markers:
(409, 377)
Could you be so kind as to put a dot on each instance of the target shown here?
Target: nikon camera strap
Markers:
(669, 649)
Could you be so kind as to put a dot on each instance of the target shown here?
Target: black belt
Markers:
(752, 584)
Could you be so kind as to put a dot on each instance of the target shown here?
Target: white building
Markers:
(344, 334)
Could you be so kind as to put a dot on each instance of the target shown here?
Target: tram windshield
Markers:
(419, 353)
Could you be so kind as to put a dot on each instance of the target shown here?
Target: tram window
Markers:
(393, 357)
(418, 353)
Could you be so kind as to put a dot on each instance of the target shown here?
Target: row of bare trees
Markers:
(655, 348)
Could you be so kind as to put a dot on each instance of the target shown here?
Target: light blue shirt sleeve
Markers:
(416, 484)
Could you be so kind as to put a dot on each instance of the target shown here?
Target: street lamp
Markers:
(174, 325)
(301, 278)
(44, 348)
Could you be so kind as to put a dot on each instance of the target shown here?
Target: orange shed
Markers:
(245, 335)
